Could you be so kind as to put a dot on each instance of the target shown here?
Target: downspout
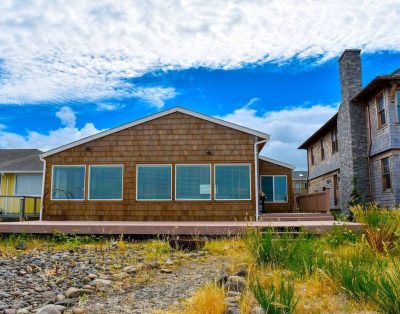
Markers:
(256, 175)
(42, 198)
(369, 152)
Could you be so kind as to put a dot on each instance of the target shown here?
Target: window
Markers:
(386, 181)
(153, 182)
(28, 184)
(380, 102)
(193, 182)
(312, 155)
(105, 182)
(68, 183)
(232, 182)
(398, 105)
(322, 150)
(275, 188)
(335, 144)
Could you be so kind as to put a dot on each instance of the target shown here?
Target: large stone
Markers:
(100, 283)
(51, 309)
(130, 270)
(49, 296)
(235, 283)
(73, 292)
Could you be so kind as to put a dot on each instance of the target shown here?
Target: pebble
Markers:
(77, 310)
(73, 292)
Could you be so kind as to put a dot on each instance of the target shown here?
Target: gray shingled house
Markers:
(361, 141)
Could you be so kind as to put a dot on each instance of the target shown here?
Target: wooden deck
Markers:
(166, 227)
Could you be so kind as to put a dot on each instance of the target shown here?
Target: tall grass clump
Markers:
(387, 295)
(298, 253)
(382, 228)
(280, 300)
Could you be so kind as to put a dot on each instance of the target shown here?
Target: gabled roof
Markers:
(329, 125)
(153, 117)
(20, 160)
(377, 84)
(276, 162)
(300, 175)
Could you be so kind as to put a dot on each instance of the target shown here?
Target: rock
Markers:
(77, 310)
(241, 273)
(51, 309)
(233, 294)
(10, 311)
(235, 283)
(92, 276)
(22, 272)
(20, 246)
(153, 265)
(24, 310)
(113, 245)
(73, 292)
(120, 276)
(60, 297)
(232, 310)
(169, 262)
(66, 302)
(131, 270)
(166, 271)
(258, 310)
(234, 299)
(88, 287)
(49, 296)
(86, 280)
(99, 283)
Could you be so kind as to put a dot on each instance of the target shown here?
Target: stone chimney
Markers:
(352, 129)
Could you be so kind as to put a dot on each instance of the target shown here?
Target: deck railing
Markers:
(19, 207)
(314, 202)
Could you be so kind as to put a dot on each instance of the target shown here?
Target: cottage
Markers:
(21, 172)
(361, 141)
(173, 165)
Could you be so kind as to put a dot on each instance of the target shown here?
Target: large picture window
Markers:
(153, 182)
(192, 182)
(275, 188)
(105, 182)
(232, 182)
(68, 183)
(28, 185)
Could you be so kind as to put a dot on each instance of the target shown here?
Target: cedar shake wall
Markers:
(172, 139)
(267, 168)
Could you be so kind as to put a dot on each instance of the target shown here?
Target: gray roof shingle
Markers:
(20, 160)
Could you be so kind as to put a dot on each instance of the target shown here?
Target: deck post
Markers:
(22, 209)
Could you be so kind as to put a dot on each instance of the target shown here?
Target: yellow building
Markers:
(21, 172)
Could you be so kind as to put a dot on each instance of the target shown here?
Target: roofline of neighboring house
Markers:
(19, 171)
(322, 130)
(374, 86)
(152, 117)
(276, 162)
(302, 179)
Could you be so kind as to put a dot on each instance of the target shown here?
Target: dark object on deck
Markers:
(187, 243)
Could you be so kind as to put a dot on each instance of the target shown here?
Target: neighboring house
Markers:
(276, 183)
(173, 165)
(361, 141)
(21, 172)
(300, 182)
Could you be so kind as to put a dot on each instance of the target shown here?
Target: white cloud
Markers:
(53, 138)
(288, 129)
(109, 106)
(67, 116)
(56, 51)
(155, 96)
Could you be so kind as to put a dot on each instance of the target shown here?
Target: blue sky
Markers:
(66, 74)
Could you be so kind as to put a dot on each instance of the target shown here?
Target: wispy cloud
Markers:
(87, 50)
(53, 138)
(288, 128)
(109, 106)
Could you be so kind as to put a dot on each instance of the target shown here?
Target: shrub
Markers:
(281, 300)
(300, 254)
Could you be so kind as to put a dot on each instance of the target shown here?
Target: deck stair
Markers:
(296, 217)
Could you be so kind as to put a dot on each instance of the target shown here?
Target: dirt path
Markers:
(161, 291)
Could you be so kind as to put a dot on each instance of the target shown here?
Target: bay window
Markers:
(193, 182)
(232, 182)
(105, 182)
(153, 182)
(68, 183)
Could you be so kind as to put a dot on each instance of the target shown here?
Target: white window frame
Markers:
(152, 165)
(273, 188)
(193, 199)
(215, 182)
(122, 185)
(68, 199)
(24, 174)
